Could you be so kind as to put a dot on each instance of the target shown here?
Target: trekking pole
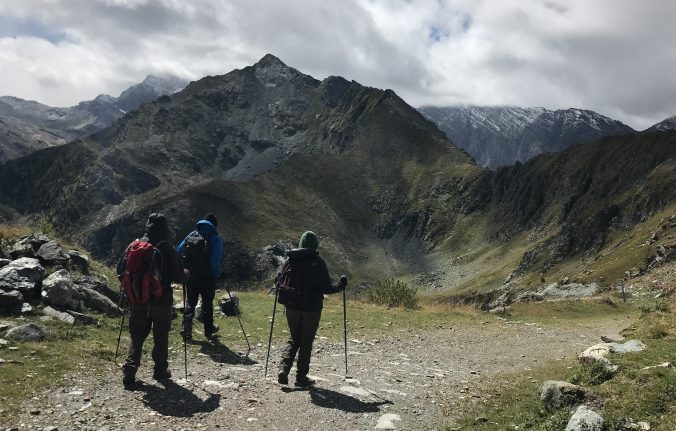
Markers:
(248, 350)
(272, 325)
(344, 319)
(120, 302)
(185, 341)
(119, 336)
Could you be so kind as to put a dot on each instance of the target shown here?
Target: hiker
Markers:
(308, 272)
(202, 251)
(149, 265)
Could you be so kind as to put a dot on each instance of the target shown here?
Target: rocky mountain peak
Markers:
(668, 124)
(502, 135)
(269, 61)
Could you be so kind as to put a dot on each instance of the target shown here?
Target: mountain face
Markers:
(501, 136)
(274, 152)
(27, 126)
(668, 124)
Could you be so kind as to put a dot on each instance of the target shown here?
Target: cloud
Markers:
(613, 56)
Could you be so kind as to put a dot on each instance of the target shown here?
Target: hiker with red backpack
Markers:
(301, 286)
(201, 251)
(147, 268)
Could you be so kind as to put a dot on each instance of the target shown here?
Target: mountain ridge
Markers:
(502, 135)
(30, 125)
(276, 152)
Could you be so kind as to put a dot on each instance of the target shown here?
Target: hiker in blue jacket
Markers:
(202, 251)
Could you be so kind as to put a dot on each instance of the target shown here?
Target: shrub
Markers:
(393, 293)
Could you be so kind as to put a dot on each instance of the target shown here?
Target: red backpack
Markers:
(296, 282)
(142, 276)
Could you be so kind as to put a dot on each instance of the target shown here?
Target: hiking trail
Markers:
(408, 379)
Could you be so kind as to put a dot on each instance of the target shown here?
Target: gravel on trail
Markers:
(409, 380)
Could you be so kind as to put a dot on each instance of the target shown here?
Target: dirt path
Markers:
(399, 382)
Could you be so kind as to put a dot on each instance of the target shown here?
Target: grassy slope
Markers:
(644, 395)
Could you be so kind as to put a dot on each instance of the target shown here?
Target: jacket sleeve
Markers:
(216, 255)
(325, 280)
(180, 247)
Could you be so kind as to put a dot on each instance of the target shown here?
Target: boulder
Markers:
(629, 346)
(93, 300)
(83, 319)
(23, 274)
(28, 246)
(559, 394)
(556, 291)
(97, 284)
(4, 254)
(22, 248)
(59, 290)
(26, 308)
(78, 260)
(51, 253)
(58, 315)
(10, 302)
(599, 352)
(4, 262)
(597, 355)
(585, 419)
(29, 332)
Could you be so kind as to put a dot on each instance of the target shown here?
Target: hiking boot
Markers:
(303, 381)
(282, 378)
(162, 375)
(129, 380)
(212, 331)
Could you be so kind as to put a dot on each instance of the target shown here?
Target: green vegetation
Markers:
(634, 391)
(392, 293)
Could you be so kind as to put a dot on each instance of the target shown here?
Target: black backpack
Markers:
(196, 254)
(296, 282)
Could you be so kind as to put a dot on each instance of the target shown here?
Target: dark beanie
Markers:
(156, 228)
(211, 218)
(309, 240)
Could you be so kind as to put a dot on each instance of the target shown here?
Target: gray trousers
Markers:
(303, 327)
(143, 319)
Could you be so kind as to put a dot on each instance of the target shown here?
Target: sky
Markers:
(616, 57)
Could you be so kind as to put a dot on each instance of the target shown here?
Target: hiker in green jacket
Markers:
(303, 315)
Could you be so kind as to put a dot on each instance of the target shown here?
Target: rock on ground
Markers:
(29, 332)
(23, 274)
(559, 291)
(79, 260)
(10, 302)
(585, 419)
(51, 253)
(59, 290)
(598, 353)
(98, 285)
(98, 302)
(58, 315)
(558, 394)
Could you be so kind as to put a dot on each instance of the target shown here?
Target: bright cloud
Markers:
(613, 56)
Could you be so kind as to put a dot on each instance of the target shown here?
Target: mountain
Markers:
(275, 152)
(668, 124)
(26, 126)
(501, 135)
